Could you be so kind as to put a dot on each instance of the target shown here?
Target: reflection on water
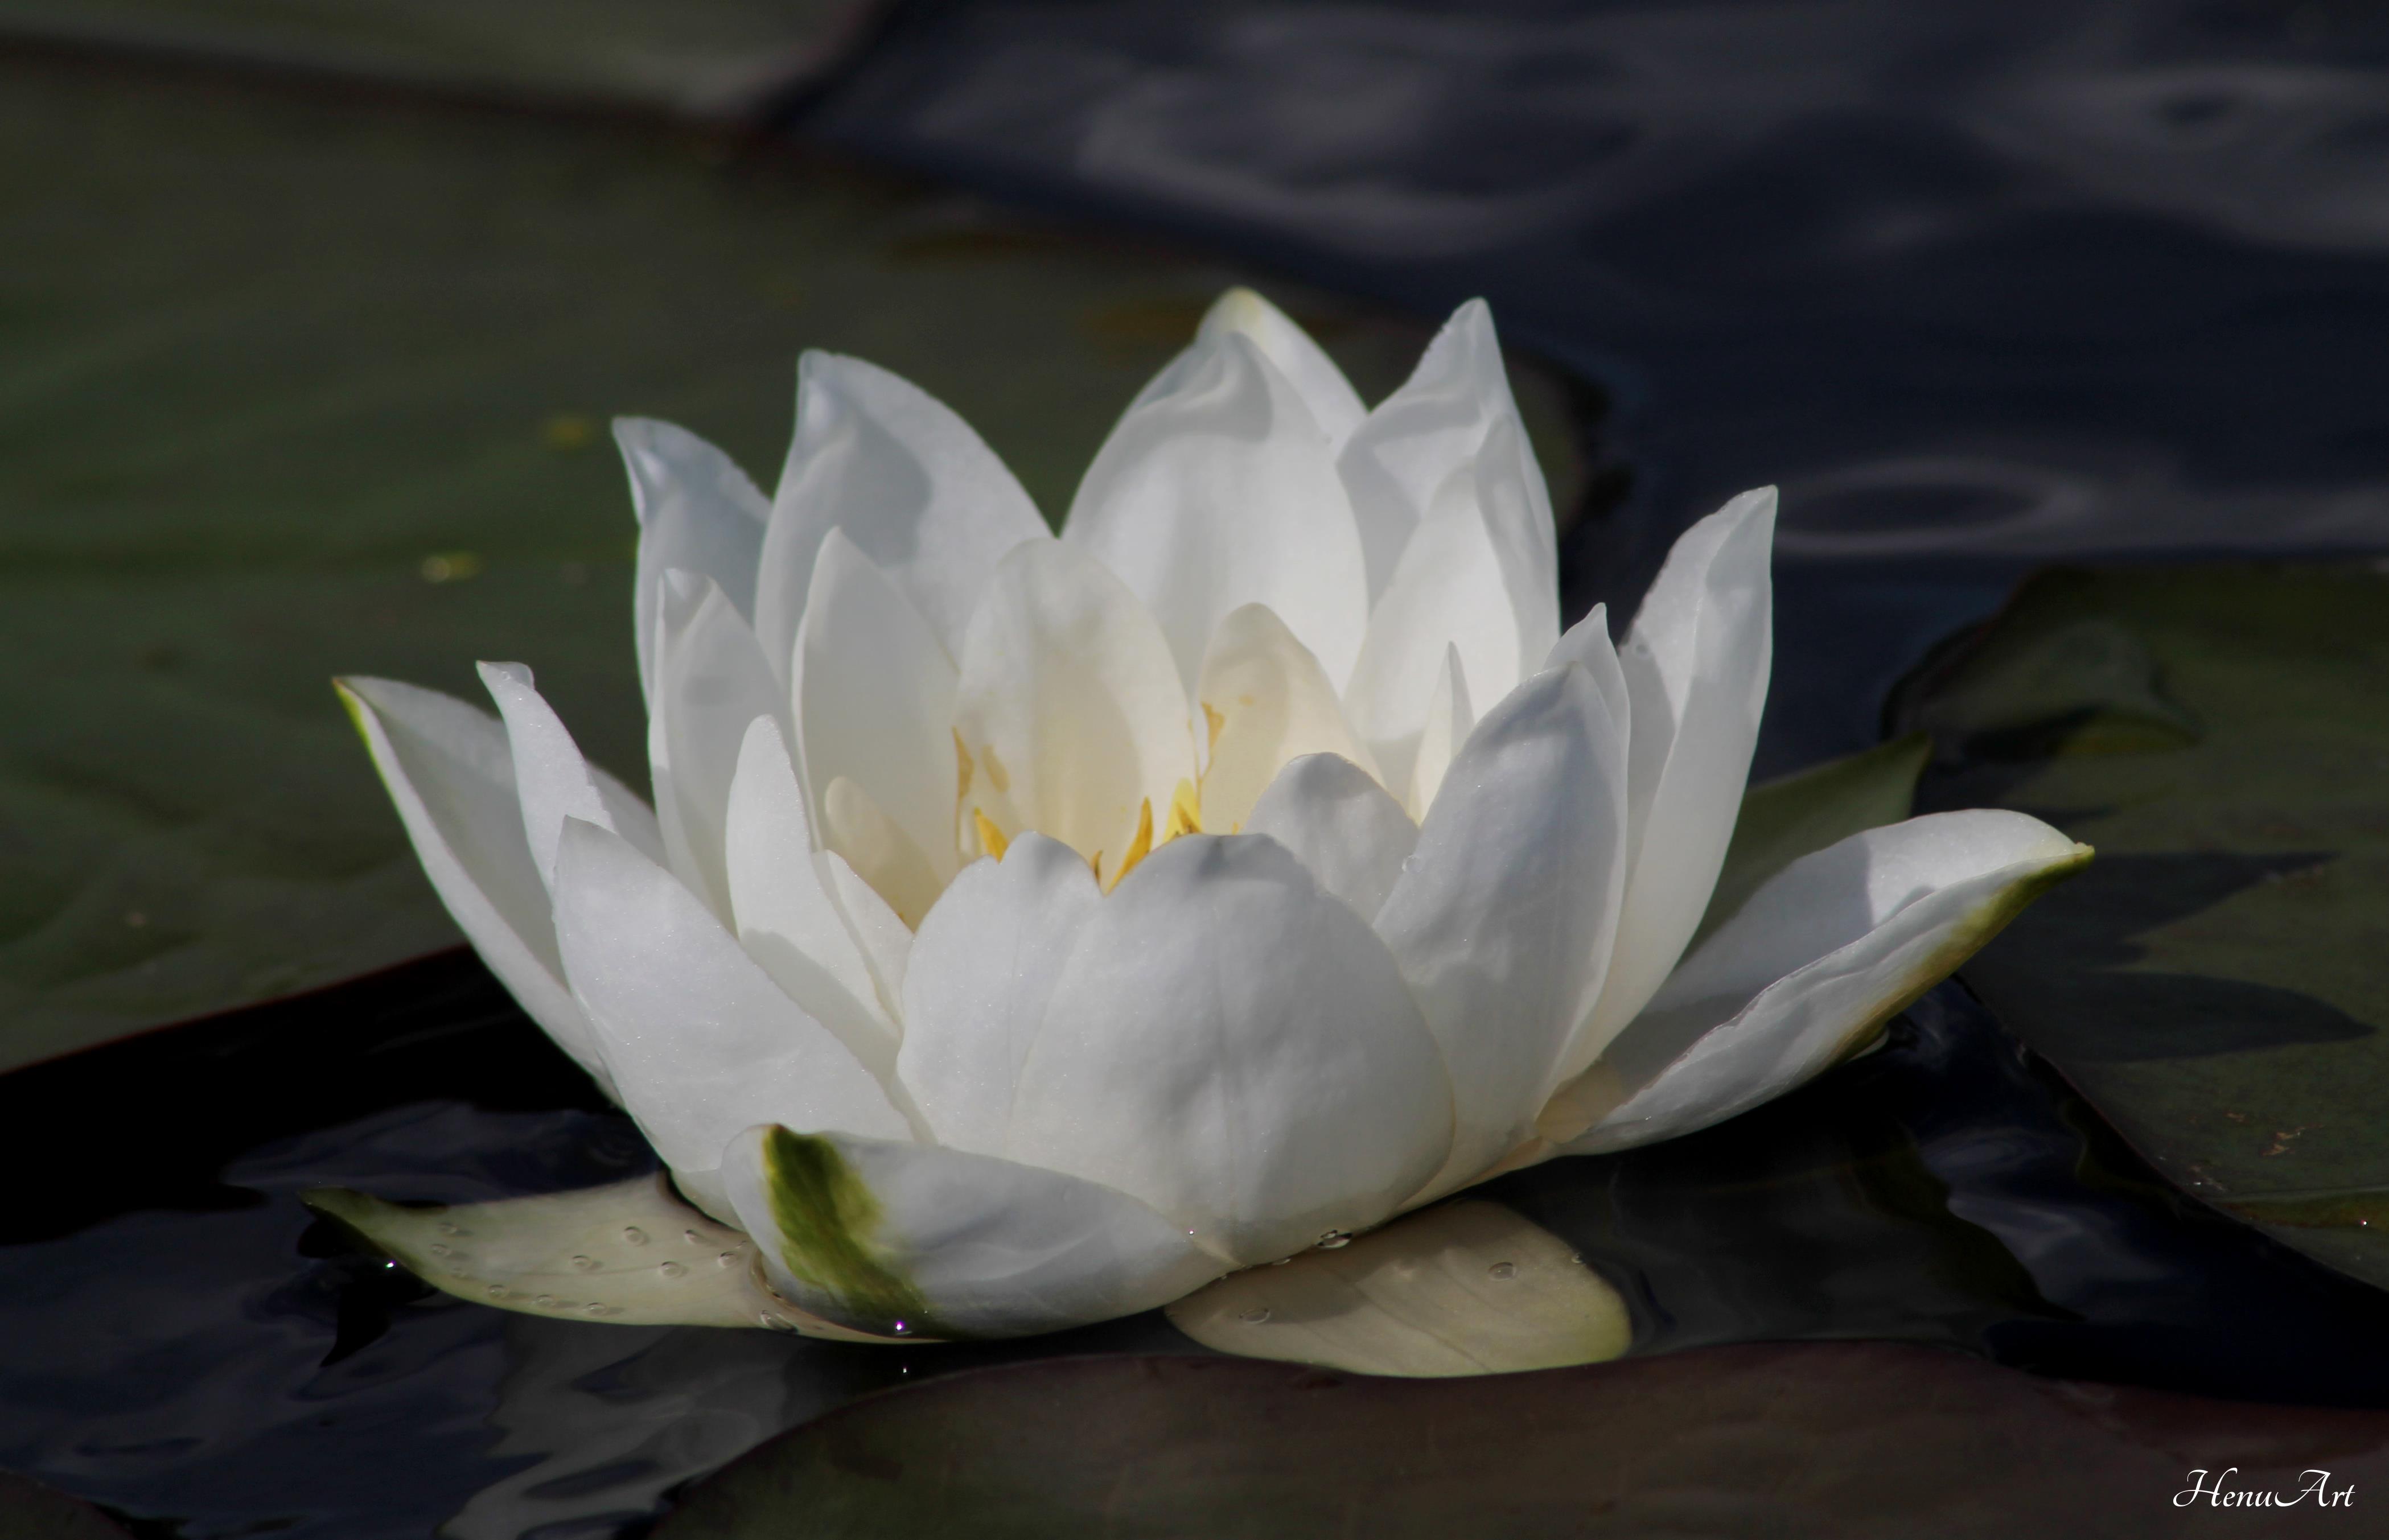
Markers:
(2023, 280)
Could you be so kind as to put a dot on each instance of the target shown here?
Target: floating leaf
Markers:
(631, 1253)
(2212, 983)
(1783, 1440)
(1467, 1288)
(708, 56)
(349, 417)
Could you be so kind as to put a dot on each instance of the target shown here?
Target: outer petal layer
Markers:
(553, 781)
(1811, 968)
(448, 769)
(697, 513)
(1233, 1047)
(711, 681)
(1503, 918)
(701, 1041)
(1334, 404)
(912, 1240)
(1696, 663)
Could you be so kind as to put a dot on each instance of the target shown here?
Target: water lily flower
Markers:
(1028, 929)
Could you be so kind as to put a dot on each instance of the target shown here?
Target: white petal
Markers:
(1232, 1046)
(984, 964)
(1697, 662)
(919, 1240)
(908, 483)
(697, 513)
(1344, 827)
(552, 779)
(1069, 707)
(701, 1043)
(789, 919)
(860, 831)
(711, 682)
(1587, 643)
(1450, 718)
(1447, 595)
(1398, 461)
(1216, 490)
(1820, 957)
(448, 769)
(1334, 404)
(1504, 915)
(875, 705)
(1267, 702)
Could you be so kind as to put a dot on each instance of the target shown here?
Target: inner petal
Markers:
(1069, 719)
(1268, 701)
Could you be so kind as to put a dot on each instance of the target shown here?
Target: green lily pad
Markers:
(2212, 983)
(295, 386)
(1464, 1287)
(631, 1253)
(712, 57)
(1783, 1440)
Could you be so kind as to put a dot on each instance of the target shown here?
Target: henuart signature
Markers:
(2213, 1488)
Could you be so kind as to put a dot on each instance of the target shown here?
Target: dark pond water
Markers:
(1980, 286)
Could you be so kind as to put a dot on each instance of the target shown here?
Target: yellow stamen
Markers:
(1138, 848)
(1185, 812)
(991, 838)
(963, 768)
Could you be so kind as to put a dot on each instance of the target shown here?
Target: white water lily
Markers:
(1029, 929)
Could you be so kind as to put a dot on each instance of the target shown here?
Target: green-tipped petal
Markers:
(1469, 1288)
(1809, 972)
(631, 1253)
(919, 1242)
(1795, 815)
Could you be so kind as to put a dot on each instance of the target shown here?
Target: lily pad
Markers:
(1783, 1440)
(631, 1253)
(1467, 1288)
(297, 385)
(710, 57)
(2213, 983)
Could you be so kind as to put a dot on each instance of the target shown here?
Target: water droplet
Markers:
(1254, 1316)
(634, 1235)
(584, 1264)
(497, 1290)
(692, 1238)
(1576, 1258)
(1503, 1269)
(777, 1323)
(1335, 1238)
(672, 1269)
(1280, 1262)
(545, 1301)
(439, 1250)
(727, 1259)
(902, 1329)
(600, 1309)
(1411, 863)
(446, 1229)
